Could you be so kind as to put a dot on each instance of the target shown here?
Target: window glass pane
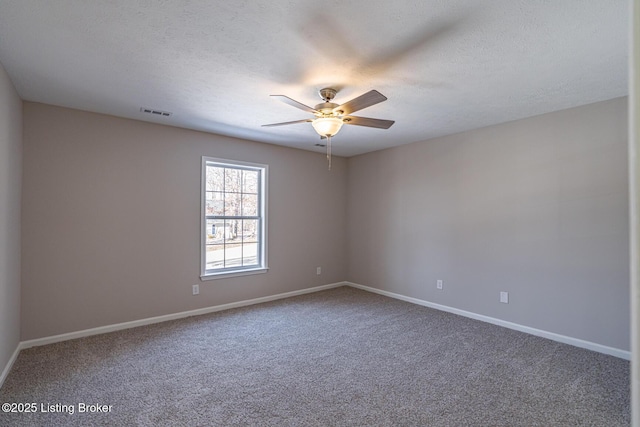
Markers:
(250, 230)
(209, 181)
(208, 197)
(215, 256)
(232, 204)
(249, 254)
(250, 182)
(233, 255)
(215, 203)
(249, 205)
(210, 232)
(230, 230)
(214, 177)
(232, 180)
(215, 228)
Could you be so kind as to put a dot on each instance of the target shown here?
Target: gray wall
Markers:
(111, 220)
(536, 207)
(634, 196)
(10, 184)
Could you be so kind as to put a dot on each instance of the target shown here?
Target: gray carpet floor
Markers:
(342, 357)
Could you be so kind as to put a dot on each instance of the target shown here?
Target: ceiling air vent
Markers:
(155, 112)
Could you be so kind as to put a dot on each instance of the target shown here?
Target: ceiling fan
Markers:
(329, 117)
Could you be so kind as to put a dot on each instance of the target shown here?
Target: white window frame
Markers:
(262, 266)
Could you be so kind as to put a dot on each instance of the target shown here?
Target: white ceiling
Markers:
(446, 66)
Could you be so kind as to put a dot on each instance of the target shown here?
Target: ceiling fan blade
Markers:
(365, 121)
(295, 103)
(287, 123)
(363, 101)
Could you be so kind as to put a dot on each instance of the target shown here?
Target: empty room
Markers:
(252, 213)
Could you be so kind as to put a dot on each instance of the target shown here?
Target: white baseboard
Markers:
(158, 319)
(9, 365)
(167, 317)
(623, 354)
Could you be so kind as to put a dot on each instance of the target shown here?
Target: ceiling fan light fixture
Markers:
(327, 126)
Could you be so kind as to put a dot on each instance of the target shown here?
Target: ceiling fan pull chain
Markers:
(329, 151)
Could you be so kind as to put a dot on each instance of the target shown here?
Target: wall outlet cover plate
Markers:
(504, 297)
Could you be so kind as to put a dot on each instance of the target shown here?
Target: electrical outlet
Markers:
(439, 284)
(195, 289)
(319, 271)
(504, 297)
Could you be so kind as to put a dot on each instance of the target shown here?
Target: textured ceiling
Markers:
(446, 66)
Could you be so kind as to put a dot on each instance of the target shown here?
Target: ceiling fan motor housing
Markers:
(327, 109)
(327, 93)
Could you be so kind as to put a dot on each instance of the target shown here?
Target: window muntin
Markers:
(233, 217)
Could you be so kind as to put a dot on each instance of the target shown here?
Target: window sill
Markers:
(228, 274)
